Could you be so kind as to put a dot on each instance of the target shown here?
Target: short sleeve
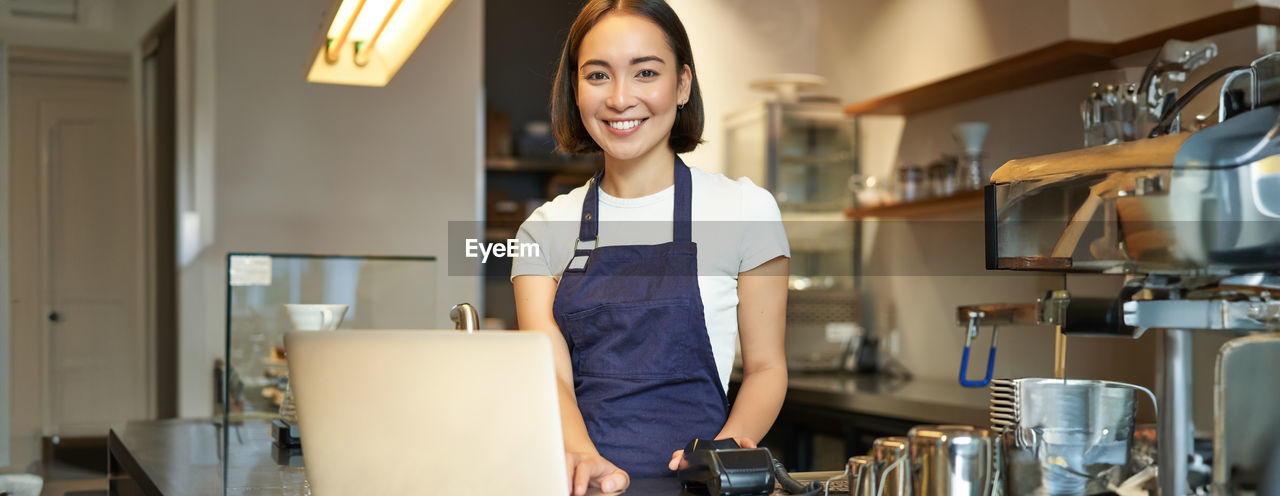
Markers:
(536, 231)
(763, 238)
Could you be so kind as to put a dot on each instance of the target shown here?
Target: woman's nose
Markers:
(620, 98)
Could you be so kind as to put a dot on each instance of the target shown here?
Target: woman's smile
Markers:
(625, 128)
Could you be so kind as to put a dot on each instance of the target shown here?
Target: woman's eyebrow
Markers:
(637, 60)
(649, 58)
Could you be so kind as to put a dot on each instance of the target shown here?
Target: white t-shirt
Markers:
(736, 225)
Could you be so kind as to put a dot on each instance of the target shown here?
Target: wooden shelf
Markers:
(546, 165)
(967, 200)
(1056, 61)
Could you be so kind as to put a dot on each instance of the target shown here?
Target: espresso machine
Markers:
(1192, 221)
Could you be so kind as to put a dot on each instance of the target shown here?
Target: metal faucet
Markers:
(465, 317)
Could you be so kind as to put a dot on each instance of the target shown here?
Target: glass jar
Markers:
(911, 183)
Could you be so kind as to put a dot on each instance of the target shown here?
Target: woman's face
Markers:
(629, 85)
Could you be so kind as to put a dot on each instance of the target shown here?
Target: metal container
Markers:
(890, 457)
(1063, 436)
(861, 470)
(1246, 431)
(953, 460)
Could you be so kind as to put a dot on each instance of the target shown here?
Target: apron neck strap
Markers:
(682, 215)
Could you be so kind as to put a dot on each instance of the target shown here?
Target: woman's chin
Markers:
(628, 152)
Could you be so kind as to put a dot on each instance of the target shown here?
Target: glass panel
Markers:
(380, 293)
(747, 154)
(815, 161)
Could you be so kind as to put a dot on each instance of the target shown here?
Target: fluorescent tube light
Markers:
(366, 41)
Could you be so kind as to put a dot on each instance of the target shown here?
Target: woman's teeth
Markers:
(624, 125)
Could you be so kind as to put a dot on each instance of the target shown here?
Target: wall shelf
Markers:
(546, 165)
(1056, 61)
(963, 201)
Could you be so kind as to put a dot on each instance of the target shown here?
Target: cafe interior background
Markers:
(223, 145)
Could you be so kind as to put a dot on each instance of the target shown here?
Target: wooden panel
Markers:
(1056, 61)
(963, 201)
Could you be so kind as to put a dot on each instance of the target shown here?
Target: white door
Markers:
(77, 257)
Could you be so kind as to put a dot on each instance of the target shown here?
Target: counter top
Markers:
(182, 456)
(923, 400)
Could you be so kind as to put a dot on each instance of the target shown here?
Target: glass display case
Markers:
(804, 153)
(380, 293)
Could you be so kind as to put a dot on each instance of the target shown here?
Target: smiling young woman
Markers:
(651, 271)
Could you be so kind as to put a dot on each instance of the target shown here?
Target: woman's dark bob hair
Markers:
(572, 137)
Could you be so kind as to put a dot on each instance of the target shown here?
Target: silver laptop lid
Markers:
(418, 412)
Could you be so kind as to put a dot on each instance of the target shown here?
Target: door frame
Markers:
(5, 311)
(160, 212)
(121, 67)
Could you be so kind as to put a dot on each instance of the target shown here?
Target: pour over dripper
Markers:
(970, 136)
(315, 317)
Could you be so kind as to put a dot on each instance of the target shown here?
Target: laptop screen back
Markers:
(417, 412)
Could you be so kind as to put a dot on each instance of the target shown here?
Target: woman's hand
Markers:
(535, 296)
(677, 457)
(591, 469)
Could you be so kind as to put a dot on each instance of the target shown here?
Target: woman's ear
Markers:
(686, 82)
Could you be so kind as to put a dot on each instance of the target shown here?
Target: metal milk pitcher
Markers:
(891, 471)
(861, 470)
(1063, 436)
(953, 460)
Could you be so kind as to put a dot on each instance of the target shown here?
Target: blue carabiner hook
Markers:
(964, 357)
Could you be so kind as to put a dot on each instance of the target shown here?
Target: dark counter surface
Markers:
(182, 457)
(922, 400)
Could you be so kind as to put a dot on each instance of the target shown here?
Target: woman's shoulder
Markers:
(752, 199)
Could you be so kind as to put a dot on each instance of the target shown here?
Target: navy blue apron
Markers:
(643, 370)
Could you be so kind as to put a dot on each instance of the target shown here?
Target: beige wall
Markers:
(736, 41)
(873, 47)
(1105, 20)
(277, 164)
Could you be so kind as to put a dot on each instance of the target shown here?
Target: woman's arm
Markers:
(534, 297)
(762, 315)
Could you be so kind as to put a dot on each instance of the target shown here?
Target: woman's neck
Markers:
(640, 176)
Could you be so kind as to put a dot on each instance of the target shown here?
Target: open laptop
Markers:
(427, 412)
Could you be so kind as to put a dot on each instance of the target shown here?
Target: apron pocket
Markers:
(636, 340)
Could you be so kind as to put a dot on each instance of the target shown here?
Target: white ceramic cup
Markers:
(315, 317)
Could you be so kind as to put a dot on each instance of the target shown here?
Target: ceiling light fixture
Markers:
(381, 35)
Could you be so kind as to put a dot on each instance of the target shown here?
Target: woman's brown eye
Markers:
(647, 74)
(595, 76)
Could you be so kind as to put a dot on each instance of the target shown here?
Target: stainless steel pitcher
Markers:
(861, 470)
(891, 466)
(953, 460)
